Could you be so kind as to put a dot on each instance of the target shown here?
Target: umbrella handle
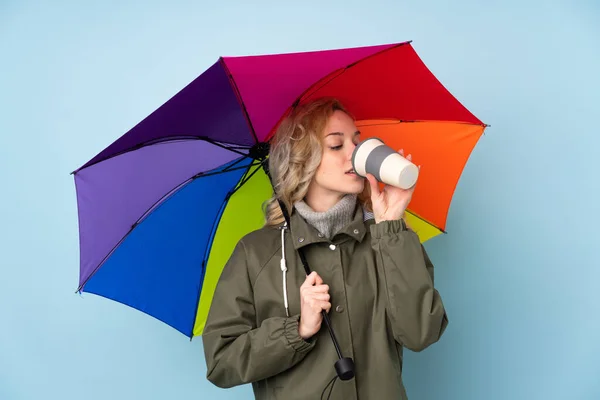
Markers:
(344, 366)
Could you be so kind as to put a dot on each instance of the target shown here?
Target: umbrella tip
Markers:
(404, 43)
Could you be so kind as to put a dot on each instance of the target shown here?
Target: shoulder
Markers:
(261, 236)
(260, 246)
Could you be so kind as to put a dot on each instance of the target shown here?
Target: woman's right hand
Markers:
(314, 297)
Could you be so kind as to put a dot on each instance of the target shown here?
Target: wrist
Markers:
(399, 219)
(303, 332)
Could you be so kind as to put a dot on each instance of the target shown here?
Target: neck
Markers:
(321, 202)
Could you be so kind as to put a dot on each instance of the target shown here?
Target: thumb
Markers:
(310, 279)
(318, 279)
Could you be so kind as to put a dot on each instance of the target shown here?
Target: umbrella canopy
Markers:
(161, 208)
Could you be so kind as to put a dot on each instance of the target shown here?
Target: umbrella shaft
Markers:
(333, 338)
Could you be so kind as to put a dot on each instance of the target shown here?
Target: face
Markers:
(334, 176)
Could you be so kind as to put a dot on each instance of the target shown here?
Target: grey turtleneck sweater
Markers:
(329, 222)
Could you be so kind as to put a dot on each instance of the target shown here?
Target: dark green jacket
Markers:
(382, 295)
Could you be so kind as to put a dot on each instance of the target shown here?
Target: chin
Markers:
(352, 188)
(358, 190)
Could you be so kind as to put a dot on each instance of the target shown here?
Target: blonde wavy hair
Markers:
(295, 154)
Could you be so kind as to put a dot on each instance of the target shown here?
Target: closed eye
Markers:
(336, 147)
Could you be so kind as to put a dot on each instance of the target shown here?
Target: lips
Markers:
(351, 171)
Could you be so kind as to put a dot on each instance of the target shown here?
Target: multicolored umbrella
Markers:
(162, 207)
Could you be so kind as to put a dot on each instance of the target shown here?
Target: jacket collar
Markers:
(303, 233)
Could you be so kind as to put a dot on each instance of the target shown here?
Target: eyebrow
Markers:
(341, 134)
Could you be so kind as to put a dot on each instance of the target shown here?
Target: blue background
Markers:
(518, 270)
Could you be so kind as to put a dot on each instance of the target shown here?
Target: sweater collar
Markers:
(329, 222)
(303, 233)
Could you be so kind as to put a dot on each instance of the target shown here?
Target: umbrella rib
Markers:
(238, 96)
(395, 121)
(335, 74)
(225, 145)
(229, 168)
(157, 203)
(208, 248)
(324, 81)
(186, 182)
(80, 288)
(230, 148)
(246, 178)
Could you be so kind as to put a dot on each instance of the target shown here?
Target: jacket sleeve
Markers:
(237, 351)
(415, 308)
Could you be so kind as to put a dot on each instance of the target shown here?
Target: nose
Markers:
(351, 150)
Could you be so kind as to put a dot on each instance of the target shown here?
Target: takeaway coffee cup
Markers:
(374, 157)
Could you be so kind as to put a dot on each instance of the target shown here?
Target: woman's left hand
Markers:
(391, 202)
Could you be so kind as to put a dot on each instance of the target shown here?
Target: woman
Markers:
(370, 273)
